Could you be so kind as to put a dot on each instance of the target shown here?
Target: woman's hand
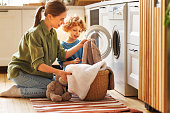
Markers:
(48, 69)
(63, 74)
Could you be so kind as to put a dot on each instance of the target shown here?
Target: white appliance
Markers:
(110, 36)
(133, 44)
(118, 26)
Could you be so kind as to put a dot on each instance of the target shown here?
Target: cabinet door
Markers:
(10, 30)
(133, 23)
(133, 65)
(28, 17)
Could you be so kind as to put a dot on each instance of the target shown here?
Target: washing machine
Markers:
(111, 39)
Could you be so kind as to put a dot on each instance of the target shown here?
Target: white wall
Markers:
(21, 2)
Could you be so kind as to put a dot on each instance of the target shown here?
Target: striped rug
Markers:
(75, 105)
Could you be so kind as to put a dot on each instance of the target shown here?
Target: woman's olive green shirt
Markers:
(38, 45)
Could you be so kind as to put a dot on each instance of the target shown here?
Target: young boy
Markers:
(74, 26)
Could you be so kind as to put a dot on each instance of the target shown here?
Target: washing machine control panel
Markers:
(116, 11)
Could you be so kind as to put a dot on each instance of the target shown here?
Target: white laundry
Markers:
(82, 77)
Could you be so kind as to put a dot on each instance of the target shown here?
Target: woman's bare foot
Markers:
(14, 91)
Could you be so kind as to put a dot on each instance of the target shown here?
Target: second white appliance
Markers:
(117, 16)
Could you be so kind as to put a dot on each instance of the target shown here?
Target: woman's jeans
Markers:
(32, 85)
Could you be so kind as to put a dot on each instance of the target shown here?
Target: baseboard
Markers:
(3, 69)
(150, 108)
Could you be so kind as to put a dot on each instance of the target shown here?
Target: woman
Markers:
(31, 67)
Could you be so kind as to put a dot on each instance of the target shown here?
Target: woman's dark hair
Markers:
(53, 7)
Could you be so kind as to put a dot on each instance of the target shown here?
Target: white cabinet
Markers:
(10, 34)
(133, 45)
(28, 18)
(13, 24)
(133, 65)
(133, 23)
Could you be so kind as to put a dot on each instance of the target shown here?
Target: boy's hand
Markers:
(82, 42)
(76, 61)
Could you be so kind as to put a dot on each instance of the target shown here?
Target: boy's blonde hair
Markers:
(72, 22)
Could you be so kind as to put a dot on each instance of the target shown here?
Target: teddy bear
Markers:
(56, 90)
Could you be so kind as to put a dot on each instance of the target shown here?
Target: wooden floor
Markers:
(21, 105)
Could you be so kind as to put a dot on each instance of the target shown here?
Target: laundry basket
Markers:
(98, 88)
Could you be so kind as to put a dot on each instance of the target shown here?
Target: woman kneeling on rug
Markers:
(31, 67)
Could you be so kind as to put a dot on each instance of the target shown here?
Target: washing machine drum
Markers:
(102, 37)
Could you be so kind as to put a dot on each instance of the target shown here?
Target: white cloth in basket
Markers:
(82, 77)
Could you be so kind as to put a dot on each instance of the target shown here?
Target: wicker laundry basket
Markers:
(98, 88)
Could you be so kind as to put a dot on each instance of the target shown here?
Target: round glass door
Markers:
(102, 37)
(116, 43)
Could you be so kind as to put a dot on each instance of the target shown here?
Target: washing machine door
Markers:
(102, 37)
(116, 42)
